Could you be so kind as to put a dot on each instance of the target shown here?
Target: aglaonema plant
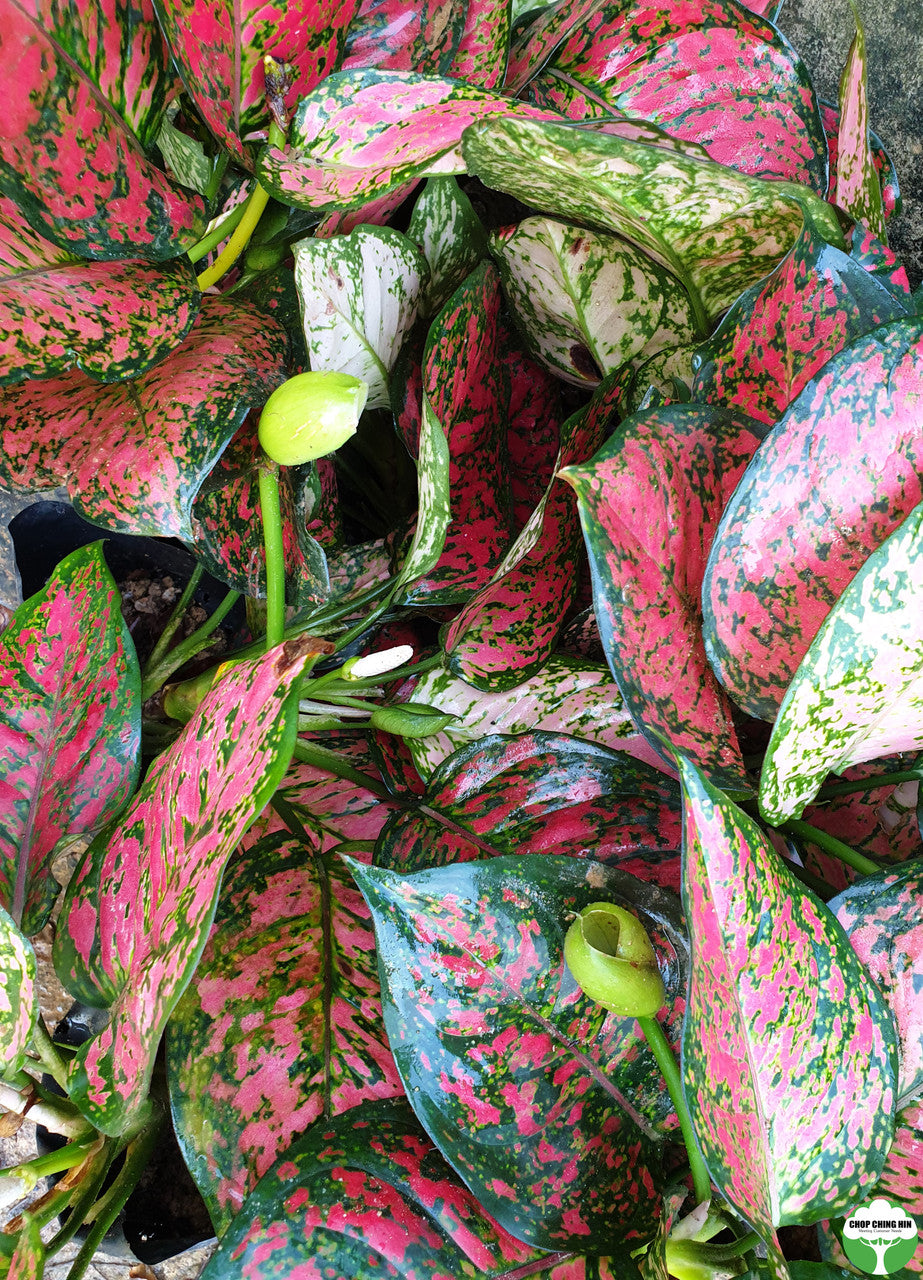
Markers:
(555, 436)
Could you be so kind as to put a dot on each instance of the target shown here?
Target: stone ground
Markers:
(821, 31)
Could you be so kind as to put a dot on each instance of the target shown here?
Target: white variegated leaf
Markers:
(360, 295)
(433, 515)
(446, 228)
(858, 693)
(589, 302)
(18, 995)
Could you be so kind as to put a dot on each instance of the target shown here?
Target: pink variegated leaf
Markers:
(354, 569)
(849, 448)
(463, 394)
(493, 1038)
(789, 1050)
(902, 1177)
(533, 435)
(858, 188)
(782, 331)
(219, 47)
(281, 1024)
(367, 1195)
(891, 201)
(463, 39)
(535, 42)
(374, 213)
(540, 792)
(141, 902)
(70, 726)
(717, 75)
(133, 455)
(85, 89)
(880, 262)
(505, 634)
(112, 320)
(365, 132)
(649, 502)
(881, 916)
(18, 996)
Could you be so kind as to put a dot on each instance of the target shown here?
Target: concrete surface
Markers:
(821, 31)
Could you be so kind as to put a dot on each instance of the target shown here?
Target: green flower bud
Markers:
(610, 955)
(311, 415)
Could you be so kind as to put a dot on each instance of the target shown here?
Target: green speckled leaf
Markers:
(360, 295)
(449, 234)
(586, 302)
(516, 1075)
(464, 39)
(133, 455)
(858, 186)
(858, 692)
(70, 726)
(18, 996)
(789, 1050)
(717, 231)
(137, 912)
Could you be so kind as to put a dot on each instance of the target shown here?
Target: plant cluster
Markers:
(493, 899)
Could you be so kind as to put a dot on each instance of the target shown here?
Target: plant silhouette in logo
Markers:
(885, 1230)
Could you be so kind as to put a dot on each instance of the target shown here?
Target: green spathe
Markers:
(311, 415)
(610, 955)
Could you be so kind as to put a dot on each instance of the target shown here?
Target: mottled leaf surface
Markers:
(141, 902)
(717, 231)
(359, 295)
(902, 1176)
(85, 91)
(858, 188)
(219, 47)
(714, 74)
(506, 633)
(882, 918)
(891, 200)
(533, 434)
(505, 1061)
(464, 39)
(789, 1051)
(588, 303)
(364, 132)
(18, 995)
(281, 1024)
(449, 234)
(70, 725)
(649, 502)
(133, 455)
(858, 692)
(368, 1195)
(780, 333)
(835, 476)
(540, 792)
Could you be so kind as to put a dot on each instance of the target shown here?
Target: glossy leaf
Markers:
(881, 262)
(464, 39)
(140, 904)
(219, 47)
(902, 1176)
(649, 502)
(789, 1051)
(536, 36)
(588, 303)
(858, 189)
(365, 132)
(849, 449)
(858, 692)
(716, 75)
(112, 320)
(70, 726)
(449, 234)
(533, 434)
(281, 1024)
(717, 231)
(367, 1195)
(84, 95)
(360, 294)
(881, 917)
(463, 391)
(540, 792)
(506, 633)
(567, 696)
(817, 301)
(507, 1064)
(891, 200)
(133, 455)
(18, 995)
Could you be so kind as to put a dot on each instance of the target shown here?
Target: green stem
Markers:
(322, 758)
(200, 639)
(259, 198)
(660, 1048)
(49, 1057)
(830, 844)
(175, 618)
(214, 182)
(813, 882)
(271, 512)
(217, 234)
(66, 1157)
(869, 784)
(362, 625)
(83, 1201)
